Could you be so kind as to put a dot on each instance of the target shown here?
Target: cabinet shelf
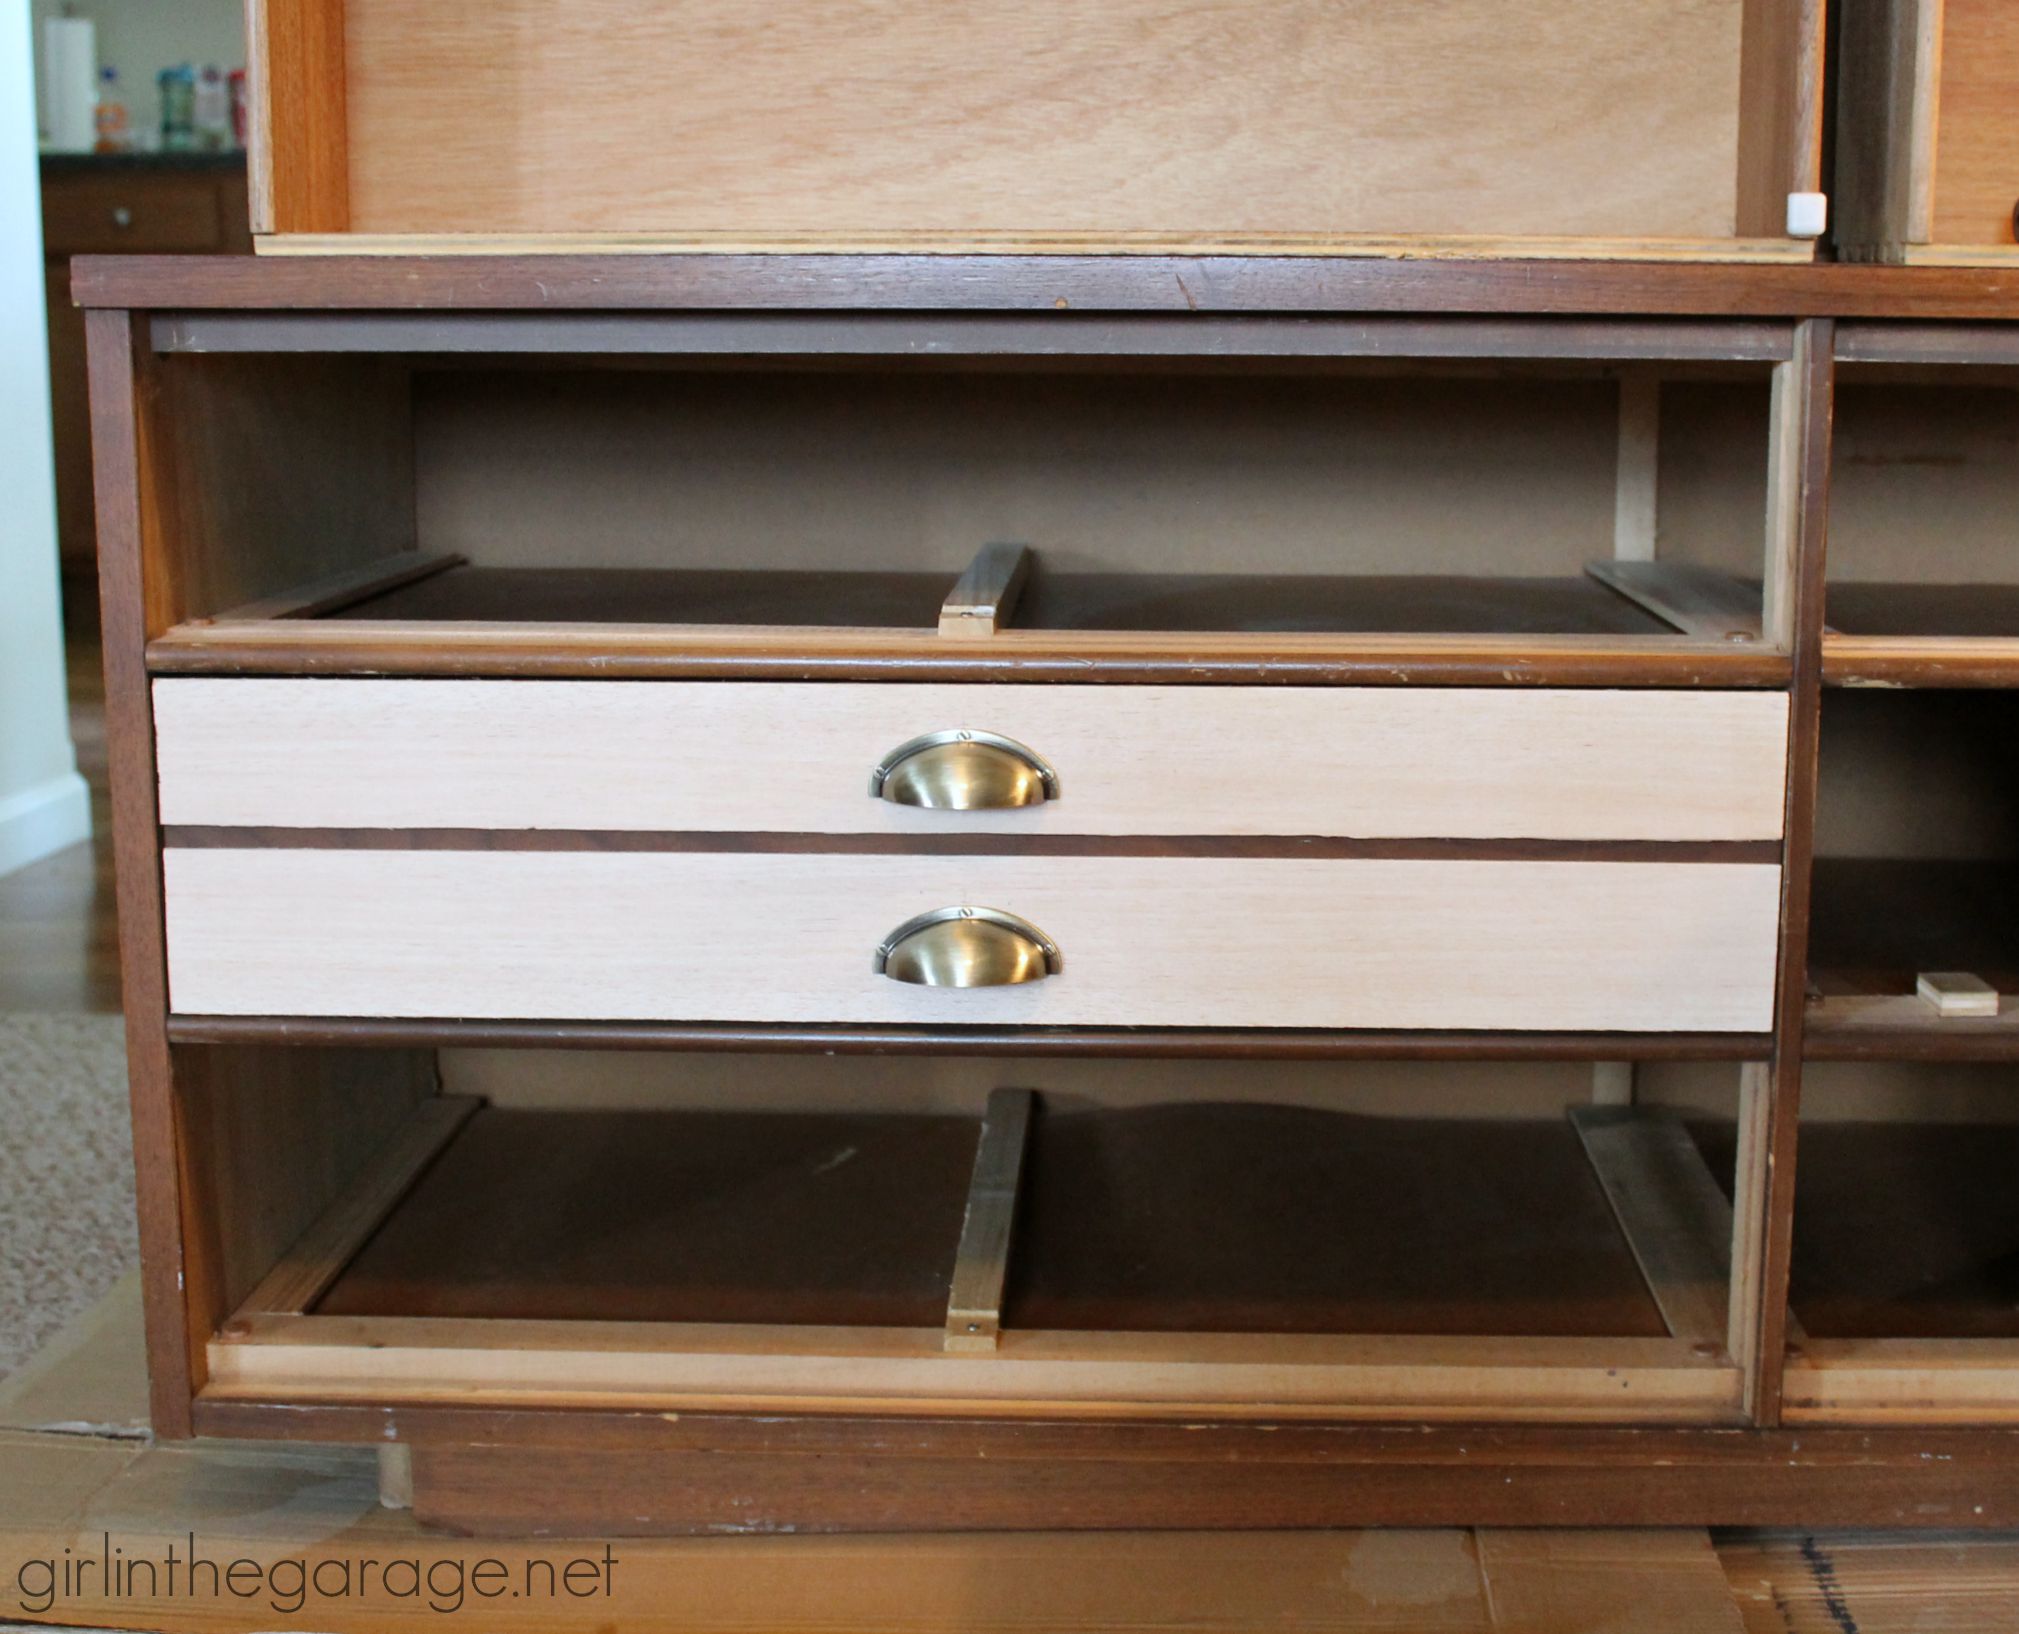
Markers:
(440, 616)
(1904, 1287)
(1252, 1257)
(1907, 1231)
(1924, 635)
(1876, 924)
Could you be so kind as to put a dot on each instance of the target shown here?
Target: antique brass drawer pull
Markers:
(964, 771)
(967, 947)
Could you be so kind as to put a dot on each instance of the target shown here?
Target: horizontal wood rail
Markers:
(1050, 284)
(1111, 1043)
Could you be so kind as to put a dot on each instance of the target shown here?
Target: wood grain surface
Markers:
(1146, 941)
(1460, 763)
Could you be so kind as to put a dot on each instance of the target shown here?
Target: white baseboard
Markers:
(46, 818)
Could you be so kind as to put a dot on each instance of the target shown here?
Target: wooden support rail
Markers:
(974, 1301)
(336, 591)
(1674, 1217)
(1697, 601)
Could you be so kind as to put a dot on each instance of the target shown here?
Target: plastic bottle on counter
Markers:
(213, 110)
(178, 109)
(235, 81)
(112, 129)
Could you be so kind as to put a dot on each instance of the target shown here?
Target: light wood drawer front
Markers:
(1151, 941)
(797, 757)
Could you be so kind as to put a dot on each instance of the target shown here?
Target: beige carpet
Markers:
(66, 1173)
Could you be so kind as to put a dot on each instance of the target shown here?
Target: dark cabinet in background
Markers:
(95, 204)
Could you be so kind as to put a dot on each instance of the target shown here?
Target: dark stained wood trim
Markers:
(195, 837)
(1029, 1043)
(1815, 362)
(1928, 343)
(1920, 661)
(506, 1491)
(1039, 283)
(954, 1473)
(956, 336)
(175, 1351)
(355, 647)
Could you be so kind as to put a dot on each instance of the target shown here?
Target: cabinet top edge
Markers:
(1053, 285)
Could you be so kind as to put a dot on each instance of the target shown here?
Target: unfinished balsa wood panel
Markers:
(711, 1367)
(1186, 119)
(1650, 946)
(781, 756)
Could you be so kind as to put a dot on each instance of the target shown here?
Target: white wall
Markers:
(44, 805)
(142, 37)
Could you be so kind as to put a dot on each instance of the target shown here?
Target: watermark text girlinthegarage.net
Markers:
(291, 1584)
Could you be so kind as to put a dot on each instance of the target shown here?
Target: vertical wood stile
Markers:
(298, 148)
(1636, 474)
(1637, 468)
(1888, 95)
(1780, 110)
(1797, 519)
(137, 604)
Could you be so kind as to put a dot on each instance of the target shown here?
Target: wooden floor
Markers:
(59, 944)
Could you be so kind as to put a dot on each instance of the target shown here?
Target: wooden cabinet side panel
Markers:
(298, 145)
(1780, 111)
(272, 1137)
(174, 1348)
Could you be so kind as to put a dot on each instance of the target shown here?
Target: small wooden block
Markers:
(983, 598)
(1957, 993)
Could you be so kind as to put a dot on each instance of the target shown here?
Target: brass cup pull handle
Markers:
(967, 947)
(964, 771)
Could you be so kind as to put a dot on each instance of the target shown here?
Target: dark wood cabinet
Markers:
(92, 205)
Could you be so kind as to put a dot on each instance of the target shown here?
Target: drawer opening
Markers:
(1441, 495)
(1923, 587)
(1371, 1247)
(1904, 1287)
(1914, 925)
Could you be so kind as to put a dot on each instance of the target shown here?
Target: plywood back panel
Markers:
(588, 1080)
(1917, 774)
(1158, 117)
(1171, 474)
(1704, 1091)
(1925, 483)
